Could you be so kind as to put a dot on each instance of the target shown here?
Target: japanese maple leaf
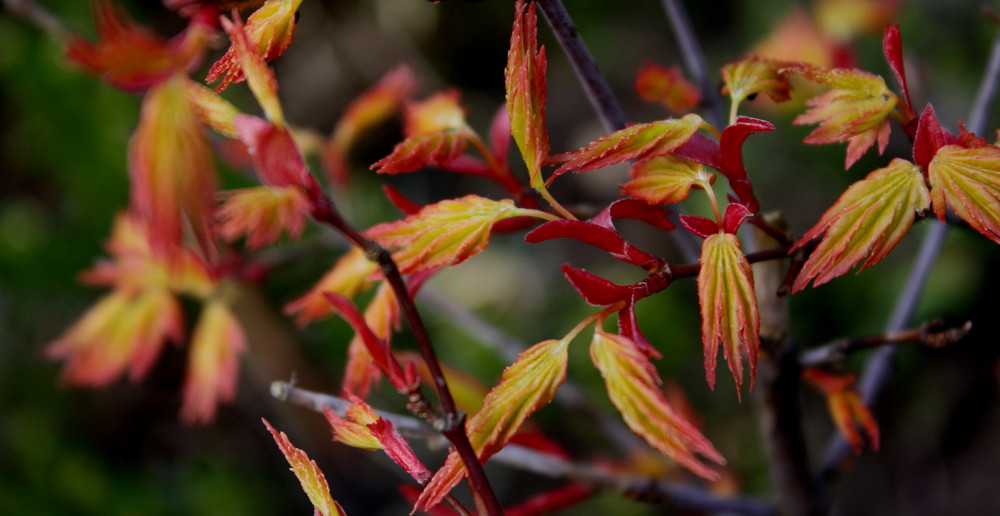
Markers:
(753, 75)
(635, 390)
(845, 407)
(966, 178)
(525, 386)
(132, 58)
(446, 233)
(251, 64)
(667, 179)
(216, 344)
(348, 277)
(855, 110)
(667, 87)
(436, 134)
(262, 214)
(525, 87)
(269, 29)
(868, 220)
(729, 315)
(639, 142)
(312, 479)
(171, 169)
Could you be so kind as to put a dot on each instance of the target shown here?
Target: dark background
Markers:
(121, 451)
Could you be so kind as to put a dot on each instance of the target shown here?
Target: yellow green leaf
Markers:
(856, 110)
(639, 142)
(348, 277)
(213, 362)
(728, 307)
(312, 479)
(967, 180)
(526, 386)
(755, 75)
(445, 233)
(667, 179)
(635, 390)
(525, 85)
(866, 222)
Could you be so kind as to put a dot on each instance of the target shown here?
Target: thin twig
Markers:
(682, 496)
(38, 16)
(593, 82)
(453, 425)
(694, 60)
(933, 334)
(879, 367)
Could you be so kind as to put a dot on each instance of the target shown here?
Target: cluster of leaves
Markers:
(178, 235)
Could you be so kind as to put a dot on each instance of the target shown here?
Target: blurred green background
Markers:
(121, 451)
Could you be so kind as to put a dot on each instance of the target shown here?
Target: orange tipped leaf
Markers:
(525, 84)
(445, 233)
(635, 390)
(729, 315)
(526, 386)
(312, 479)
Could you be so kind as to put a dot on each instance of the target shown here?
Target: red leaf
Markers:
(702, 150)
(892, 47)
(524, 79)
(552, 501)
(699, 225)
(731, 148)
(376, 346)
(404, 205)
(595, 235)
(500, 136)
(628, 327)
(594, 289)
(929, 138)
(275, 156)
(735, 214)
(635, 209)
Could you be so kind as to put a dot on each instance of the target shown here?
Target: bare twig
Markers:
(593, 82)
(694, 60)
(933, 334)
(682, 496)
(879, 367)
(37, 15)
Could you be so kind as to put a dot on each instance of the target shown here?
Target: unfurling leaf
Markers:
(262, 214)
(668, 87)
(248, 62)
(312, 479)
(868, 220)
(212, 366)
(276, 157)
(754, 75)
(526, 386)
(348, 277)
(445, 233)
(640, 142)
(667, 179)
(525, 85)
(892, 47)
(635, 389)
(856, 110)
(268, 31)
(728, 307)
(132, 58)
(967, 180)
(845, 406)
(403, 379)
(382, 316)
(597, 236)
(171, 169)
(363, 428)
(436, 134)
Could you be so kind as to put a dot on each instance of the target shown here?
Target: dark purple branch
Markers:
(694, 60)
(593, 82)
(453, 425)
